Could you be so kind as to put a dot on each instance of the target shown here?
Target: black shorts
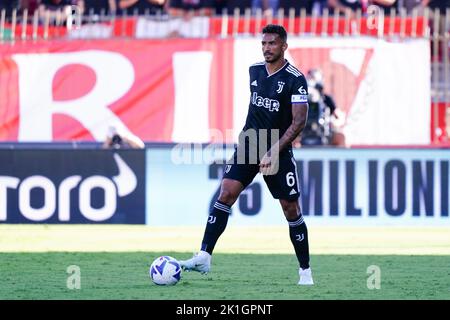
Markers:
(282, 185)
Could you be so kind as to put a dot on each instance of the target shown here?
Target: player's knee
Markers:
(290, 209)
(227, 197)
(291, 214)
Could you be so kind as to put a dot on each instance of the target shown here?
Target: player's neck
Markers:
(273, 67)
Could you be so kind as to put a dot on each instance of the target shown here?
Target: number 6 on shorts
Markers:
(290, 179)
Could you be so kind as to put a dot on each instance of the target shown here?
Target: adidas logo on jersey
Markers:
(292, 192)
(255, 83)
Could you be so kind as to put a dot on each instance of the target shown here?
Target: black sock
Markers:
(217, 222)
(299, 238)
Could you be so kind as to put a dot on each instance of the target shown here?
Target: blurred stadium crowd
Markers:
(213, 7)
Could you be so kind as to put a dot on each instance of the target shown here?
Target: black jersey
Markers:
(272, 98)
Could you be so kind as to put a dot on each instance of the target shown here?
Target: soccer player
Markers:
(277, 115)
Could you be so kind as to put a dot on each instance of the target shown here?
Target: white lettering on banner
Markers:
(336, 187)
(125, 181)
(46, 211)
(64, 196)
(114, 77)
(191, 119)
(5, 183)
(110, 202)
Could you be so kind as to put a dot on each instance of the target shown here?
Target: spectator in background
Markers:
(30, 5)
(241, 4)
(298, 5)
(119, 139)
(140, 7)
(220, 6)
(409, 5)
(320, 127)
(342, 5)
(385, 5)
(354, 5)
(57, 9)
(318, 6)
(268, 7)
(9, 6)
(315, 81)
(96, 7)
(188, 8)
(441, 5)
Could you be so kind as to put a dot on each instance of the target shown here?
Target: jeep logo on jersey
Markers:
(271, 104)
(75, 191)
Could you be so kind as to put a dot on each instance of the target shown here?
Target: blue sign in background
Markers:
(338, 187)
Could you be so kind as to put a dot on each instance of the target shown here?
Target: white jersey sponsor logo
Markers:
(271, 104)
(299, 98)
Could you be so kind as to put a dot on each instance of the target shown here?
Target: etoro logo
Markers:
(58, 198)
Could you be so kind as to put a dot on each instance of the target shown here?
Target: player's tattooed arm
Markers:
(299, 116)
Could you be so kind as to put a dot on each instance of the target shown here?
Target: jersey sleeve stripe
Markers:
(292, 70)
(290, 66)
(294, 73)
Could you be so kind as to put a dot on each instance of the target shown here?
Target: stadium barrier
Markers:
(339, 187)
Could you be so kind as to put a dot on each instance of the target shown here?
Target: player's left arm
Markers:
(299, 117)
(299, 101)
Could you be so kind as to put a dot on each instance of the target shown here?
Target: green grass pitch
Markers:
(34, 261)
(124, 275)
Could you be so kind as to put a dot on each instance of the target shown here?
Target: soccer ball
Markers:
(165, 270)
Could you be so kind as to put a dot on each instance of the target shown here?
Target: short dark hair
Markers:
(274, 28)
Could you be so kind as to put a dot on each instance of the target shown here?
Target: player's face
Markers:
(273, 47)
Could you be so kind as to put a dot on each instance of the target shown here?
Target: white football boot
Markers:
(201, 262)
(305, 277)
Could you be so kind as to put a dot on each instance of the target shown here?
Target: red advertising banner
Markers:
(197, 90)
(61, 90)
(440, 123)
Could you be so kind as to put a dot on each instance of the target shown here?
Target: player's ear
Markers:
(285, 46)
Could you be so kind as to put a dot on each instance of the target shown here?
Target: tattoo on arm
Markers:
(299, 117)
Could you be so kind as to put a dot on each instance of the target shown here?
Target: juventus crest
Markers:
(280, 86)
